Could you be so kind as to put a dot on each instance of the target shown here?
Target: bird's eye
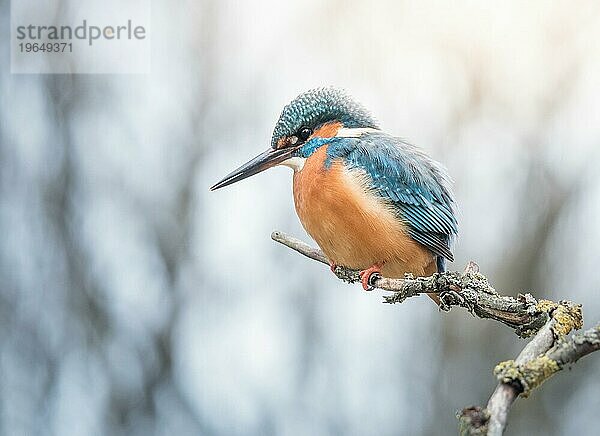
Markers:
(304, 133)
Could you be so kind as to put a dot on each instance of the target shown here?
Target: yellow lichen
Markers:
(537, 371)
(546, 306)
(567, 315)
(507, 371)
(530, 375)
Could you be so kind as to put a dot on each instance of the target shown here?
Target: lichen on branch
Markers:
(547, 321)
(536, 371)
(469, 289)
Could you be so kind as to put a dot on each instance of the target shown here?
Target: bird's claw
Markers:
(369, 276)
(451, 298)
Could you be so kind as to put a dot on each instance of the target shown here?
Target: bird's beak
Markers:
(263, 161)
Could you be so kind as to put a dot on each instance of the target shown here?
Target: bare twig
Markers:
(469, 290)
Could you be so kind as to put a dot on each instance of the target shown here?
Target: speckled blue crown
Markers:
(319, 106)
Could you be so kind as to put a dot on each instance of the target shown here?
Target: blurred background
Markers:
(135, 301)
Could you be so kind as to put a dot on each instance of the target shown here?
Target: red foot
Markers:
(332, 267)
(366, 274)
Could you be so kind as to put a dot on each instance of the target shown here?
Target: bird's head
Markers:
(305, 124)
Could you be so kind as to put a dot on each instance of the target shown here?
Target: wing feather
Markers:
(417, 186)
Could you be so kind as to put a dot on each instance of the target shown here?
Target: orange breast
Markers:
(351, 224)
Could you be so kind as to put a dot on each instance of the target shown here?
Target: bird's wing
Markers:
(416, 185)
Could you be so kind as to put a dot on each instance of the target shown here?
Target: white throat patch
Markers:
(296, 163)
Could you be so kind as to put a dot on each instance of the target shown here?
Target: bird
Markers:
(372, 202)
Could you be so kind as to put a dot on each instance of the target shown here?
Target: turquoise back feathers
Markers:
(415, 185)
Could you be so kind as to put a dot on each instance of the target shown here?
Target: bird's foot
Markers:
(367, 275)
(332, 267)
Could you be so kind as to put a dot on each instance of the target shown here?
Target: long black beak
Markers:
(263, 161)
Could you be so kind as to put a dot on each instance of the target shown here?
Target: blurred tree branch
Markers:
(550, 323)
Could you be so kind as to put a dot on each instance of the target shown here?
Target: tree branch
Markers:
(547, 353)
(492, 420)
(469, 290)
(543, 357)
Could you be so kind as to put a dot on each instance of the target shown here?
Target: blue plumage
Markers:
(325, 125)
(319, 106)
(411, 181)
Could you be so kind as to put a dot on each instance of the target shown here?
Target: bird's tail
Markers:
(441, 267)
(441, 264)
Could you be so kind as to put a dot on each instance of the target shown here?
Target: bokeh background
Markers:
(135, 301)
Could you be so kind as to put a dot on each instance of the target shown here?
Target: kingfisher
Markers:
(371, 201)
